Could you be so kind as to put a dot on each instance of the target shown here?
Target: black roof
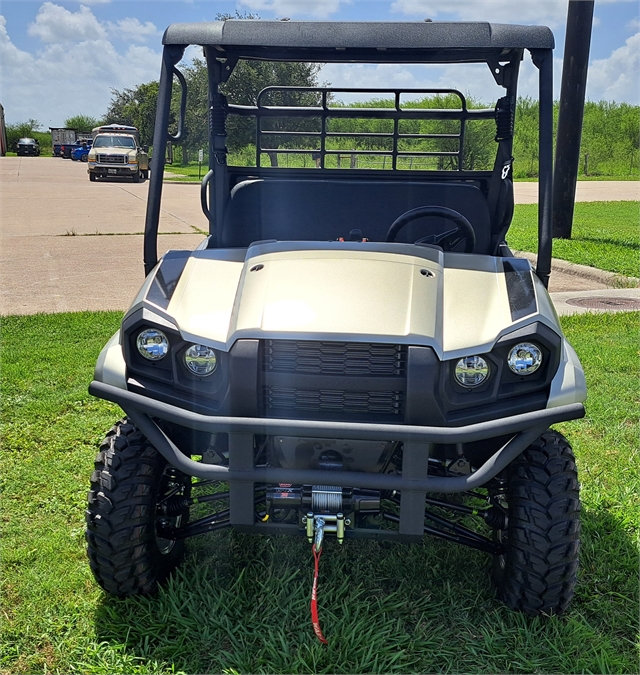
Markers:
(362, 41)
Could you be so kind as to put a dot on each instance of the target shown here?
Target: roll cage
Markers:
(224, 43)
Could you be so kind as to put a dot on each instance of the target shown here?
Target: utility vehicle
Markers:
(353, 351)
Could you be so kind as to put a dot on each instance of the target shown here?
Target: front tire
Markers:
(537, 572)
(92, 177)
(136, 177)
(125, 554)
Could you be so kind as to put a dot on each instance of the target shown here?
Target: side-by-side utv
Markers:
(353, 351)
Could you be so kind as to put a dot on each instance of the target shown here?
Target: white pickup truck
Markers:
(117, 151)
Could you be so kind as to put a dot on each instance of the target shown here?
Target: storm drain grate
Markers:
(605, 303)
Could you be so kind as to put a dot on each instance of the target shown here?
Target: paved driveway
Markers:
(586, 191)
(69, 245)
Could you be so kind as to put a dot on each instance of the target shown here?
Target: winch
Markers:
(307, 504)
(326, 515)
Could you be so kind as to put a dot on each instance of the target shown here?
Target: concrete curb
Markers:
(610, 279)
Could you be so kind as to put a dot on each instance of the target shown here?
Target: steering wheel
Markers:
(463, 227)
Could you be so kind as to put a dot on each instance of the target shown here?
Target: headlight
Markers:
(471, 371)
(152, 344)
(133, 160)
(525, 358)
(200, 360)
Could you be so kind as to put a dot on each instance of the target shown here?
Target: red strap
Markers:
(314, 597)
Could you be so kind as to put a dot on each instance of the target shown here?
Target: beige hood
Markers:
(338, 293)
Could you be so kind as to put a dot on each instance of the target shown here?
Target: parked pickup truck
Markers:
(67, 149)
(116, 151)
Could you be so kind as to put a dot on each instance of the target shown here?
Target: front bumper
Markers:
(117, 170)
(523, 428)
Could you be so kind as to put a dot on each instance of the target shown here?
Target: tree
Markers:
(243, 87)
(82, 123)
(135, 107)
(248, 79)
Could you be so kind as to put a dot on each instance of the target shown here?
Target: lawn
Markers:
(604, 235)
(240, 603)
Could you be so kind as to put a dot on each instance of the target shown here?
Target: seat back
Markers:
(324, 210)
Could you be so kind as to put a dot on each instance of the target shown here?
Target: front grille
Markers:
(333, 380)
(334, 358)
(112, 159)
(333, 401)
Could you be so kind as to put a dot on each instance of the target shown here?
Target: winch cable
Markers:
(314, 595)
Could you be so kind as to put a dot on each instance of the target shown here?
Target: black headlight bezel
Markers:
(171, 370)
(502, 384)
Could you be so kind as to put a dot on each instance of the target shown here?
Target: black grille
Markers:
(112, 159)
(334, 358)
(333, 380)
(334, 401)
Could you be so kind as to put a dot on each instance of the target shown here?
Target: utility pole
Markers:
(572, 94)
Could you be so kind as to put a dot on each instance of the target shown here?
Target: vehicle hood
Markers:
(112, 150)
(364, 292)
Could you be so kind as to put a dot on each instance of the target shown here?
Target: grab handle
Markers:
(183, 106)
(203, 194)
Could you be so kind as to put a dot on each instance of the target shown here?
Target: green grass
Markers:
(604, 235)
(240, 603)
(189, 172)
(45, 151)
(582, 177)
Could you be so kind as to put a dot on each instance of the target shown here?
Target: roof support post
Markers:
(543, 60)
(171, 54)
(218, 73)
(572, 93)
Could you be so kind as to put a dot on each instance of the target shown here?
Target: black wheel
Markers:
(84, 158)
(92, 177)
(136, 177)
(461, 233)
(126, 555)
(536, 574)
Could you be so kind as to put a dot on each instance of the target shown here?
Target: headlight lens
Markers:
(152, 344)
(200, 360)
(471, 371)
(525, 358)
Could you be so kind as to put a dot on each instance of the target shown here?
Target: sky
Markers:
(63, 58)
